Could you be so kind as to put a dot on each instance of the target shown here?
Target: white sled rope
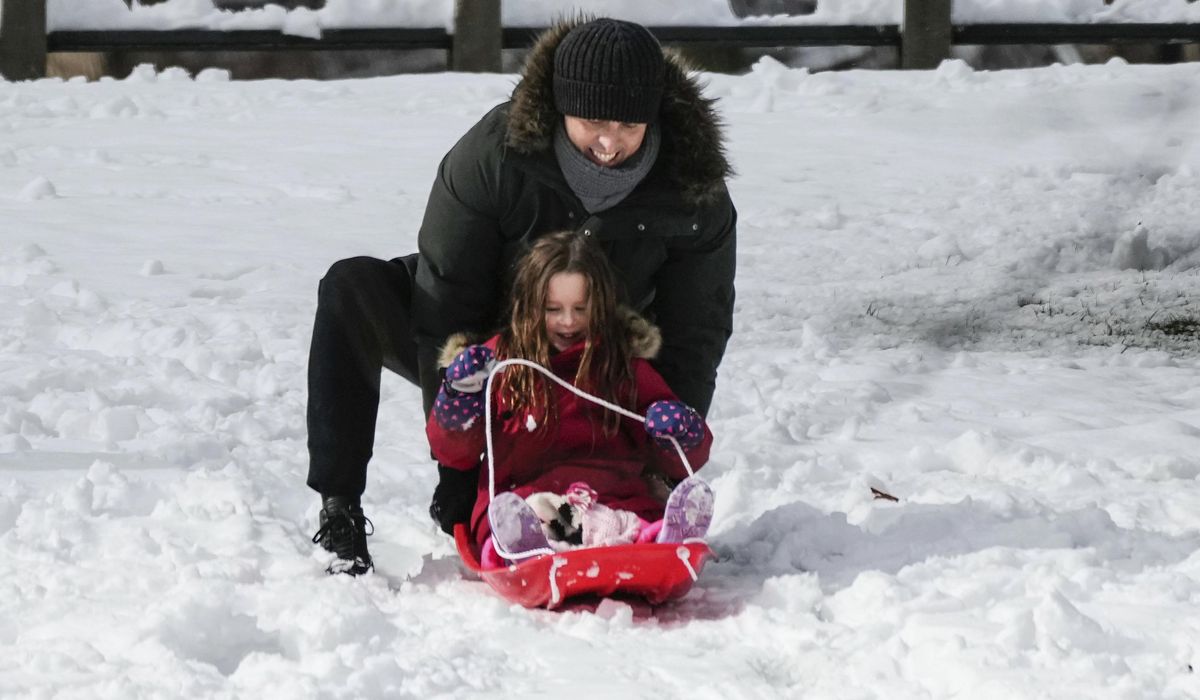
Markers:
(487, 412)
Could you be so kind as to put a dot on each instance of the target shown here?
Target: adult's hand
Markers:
(454, 497)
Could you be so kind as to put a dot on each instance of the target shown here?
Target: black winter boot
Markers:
(344, 532)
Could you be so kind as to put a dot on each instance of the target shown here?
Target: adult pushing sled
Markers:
(606, 136)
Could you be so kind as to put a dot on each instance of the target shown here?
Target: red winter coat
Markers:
(574, 448)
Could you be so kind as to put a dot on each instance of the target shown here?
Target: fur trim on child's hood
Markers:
(645, 337)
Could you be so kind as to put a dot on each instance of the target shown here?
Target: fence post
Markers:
(476, 45)
(23, 39)
(925, 34)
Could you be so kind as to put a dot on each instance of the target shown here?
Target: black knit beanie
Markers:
(609, 69)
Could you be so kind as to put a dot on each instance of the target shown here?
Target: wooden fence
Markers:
(923, 38)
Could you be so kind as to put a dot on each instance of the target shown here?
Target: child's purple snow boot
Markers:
(689, 511)
(516, 529)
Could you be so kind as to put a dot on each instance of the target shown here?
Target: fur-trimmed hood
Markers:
(693, 151)
(644, 336)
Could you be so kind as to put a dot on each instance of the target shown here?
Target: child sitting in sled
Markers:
(587, 471)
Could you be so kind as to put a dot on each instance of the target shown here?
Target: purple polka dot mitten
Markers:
(456, 411)
(460, 401)
(674, 419)
(468, 372)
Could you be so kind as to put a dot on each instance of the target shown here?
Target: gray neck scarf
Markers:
(598, 187)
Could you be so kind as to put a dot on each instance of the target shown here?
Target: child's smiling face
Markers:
(567, 309)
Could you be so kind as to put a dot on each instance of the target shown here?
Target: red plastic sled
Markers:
(656, 572)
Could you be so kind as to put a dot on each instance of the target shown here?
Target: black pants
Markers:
(363, 324)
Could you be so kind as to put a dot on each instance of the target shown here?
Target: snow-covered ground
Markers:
(974, 291)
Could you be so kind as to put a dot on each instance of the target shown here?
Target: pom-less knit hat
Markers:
(609, 69)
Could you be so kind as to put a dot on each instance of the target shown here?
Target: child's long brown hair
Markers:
(606, 366)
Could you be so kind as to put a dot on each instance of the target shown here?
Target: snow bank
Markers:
(178, 14)
(1075, 11)
(203, 14)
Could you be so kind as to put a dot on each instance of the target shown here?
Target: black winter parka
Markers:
(671, 241)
